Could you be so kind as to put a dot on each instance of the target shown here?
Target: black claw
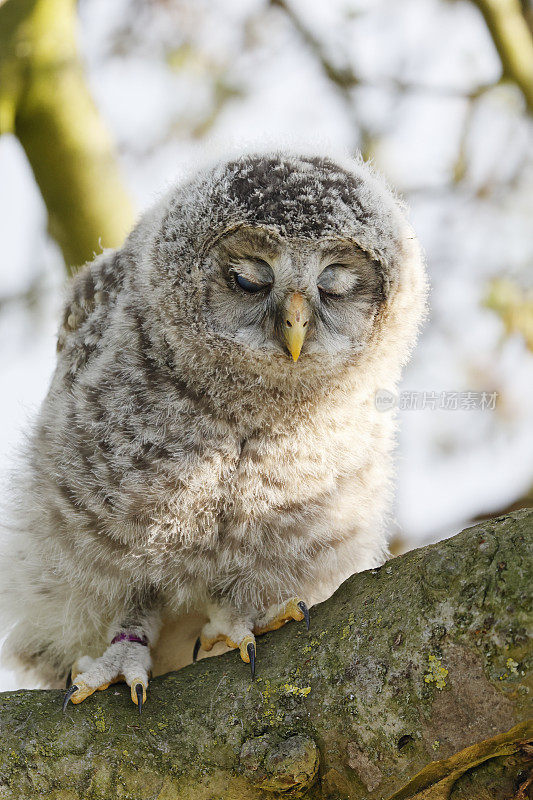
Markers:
(195, 649)
(305, 611)
(69, 694)
(69, 679)
(250, 649)
(139, 693)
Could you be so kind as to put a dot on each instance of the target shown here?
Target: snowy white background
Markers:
(178, 81)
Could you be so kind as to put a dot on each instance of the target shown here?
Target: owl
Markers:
(209, 461)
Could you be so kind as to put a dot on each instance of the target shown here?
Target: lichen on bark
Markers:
(414, 681)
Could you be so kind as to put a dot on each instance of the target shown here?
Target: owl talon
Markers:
(305, 611)
(72, 689)
(250, 649)
(278, 615)
(245, 645)
(79, 691)
(247, 651)
(195, 649)
(141, 694)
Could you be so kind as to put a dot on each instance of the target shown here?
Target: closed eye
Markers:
(252, 275)
(336, 280)
(249, 286)
(326, 293)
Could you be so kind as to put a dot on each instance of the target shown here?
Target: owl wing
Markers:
(89, 294)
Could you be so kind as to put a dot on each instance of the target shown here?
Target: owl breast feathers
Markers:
(210, 443)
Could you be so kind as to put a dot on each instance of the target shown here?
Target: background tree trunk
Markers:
(45, 102)
(413, 682)
(513, 40)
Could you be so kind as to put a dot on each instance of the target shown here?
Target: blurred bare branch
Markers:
(342, 78)
(345, 78)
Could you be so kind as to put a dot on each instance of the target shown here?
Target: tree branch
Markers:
(513, 40)
(45, 102)
(411, 683)
(345, 79)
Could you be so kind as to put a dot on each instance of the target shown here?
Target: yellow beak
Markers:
(296, 316)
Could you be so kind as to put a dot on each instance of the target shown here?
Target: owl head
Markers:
(281, 265)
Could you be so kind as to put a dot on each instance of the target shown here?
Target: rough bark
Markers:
(45, 102)
(414, 681)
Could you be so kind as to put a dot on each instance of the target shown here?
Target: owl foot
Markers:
(279, 614)
(246, 647)
(225, 625)
(242, 639)
(123, 662)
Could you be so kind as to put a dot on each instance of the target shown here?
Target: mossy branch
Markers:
(413, 682)
(45, 102)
